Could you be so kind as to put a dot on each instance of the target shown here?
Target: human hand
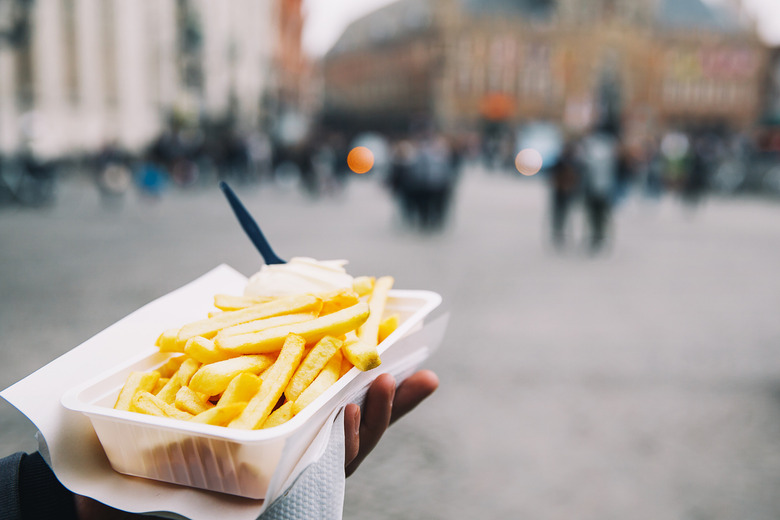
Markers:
(384, 405)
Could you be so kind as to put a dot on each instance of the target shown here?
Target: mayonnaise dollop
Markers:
(299, 275)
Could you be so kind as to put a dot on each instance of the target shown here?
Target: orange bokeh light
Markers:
(360, 159)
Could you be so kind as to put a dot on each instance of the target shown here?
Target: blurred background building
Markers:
(78, 74)
(664, 63)
(188, 89)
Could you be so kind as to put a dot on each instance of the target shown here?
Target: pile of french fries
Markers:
(256, 362)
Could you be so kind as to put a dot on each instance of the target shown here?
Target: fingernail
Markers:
(356, 420)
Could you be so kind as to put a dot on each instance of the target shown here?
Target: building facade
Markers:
(458, 62)
(78, 74)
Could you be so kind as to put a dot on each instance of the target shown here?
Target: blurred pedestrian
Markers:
(624, 175)
(650, 169)
(427, 183)
(564, 183)
(399, 178)
(697, 174)
(599, 158)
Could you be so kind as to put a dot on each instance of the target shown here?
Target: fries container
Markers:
(227, 460)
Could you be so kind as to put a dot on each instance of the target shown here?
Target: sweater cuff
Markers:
(40, 494)
(9, 486)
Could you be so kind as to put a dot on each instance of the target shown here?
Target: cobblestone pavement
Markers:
(639, 384)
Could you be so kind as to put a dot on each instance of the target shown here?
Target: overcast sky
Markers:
(326, 19)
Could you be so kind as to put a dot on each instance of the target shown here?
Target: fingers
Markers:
(376, 417)
(412, 391)
(384, 405)
(351, 433)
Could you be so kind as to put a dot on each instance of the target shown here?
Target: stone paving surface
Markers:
(642, 384)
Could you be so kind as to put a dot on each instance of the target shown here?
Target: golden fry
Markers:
(242, 388)
(271, 340)
(363, 353)
(160, 384)
(204, 350)
(145, 402)
(167, 341)
(142, 404)
(266, 323)
(135, 382)
(326, 378)
(191, 402)
(311, 366)
(209, 327)
(369, 330)
(179, 379)
(279, 416)
(227, 302)
(219, 415)
(346, 366)
(170, 367)
(388, 326)
(274, 382)
(213, 379)
(337, 300)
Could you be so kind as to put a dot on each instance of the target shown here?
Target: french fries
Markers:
(228, 302)
(136, 382)
(177, 380)
(219, 415)
(363, 353)
(271, 340)
(266, 323)
(191, 401)
(214, 378)
(337, 300)
(262, 404)
(388, 326)
(315, 361)
(204, 350)
(256, 362)
(329, 375)
(241, 389)
(209, 327)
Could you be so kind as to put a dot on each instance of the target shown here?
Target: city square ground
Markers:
(642, 383)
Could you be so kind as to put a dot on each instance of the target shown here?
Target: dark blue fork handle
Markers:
(250, 226)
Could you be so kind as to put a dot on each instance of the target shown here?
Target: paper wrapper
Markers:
(76, 455)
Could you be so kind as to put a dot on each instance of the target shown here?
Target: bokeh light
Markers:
(360, 159)
(528, 162)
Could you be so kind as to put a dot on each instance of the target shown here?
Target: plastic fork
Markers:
(250, 226)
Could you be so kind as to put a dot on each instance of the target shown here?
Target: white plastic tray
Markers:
(227, 460)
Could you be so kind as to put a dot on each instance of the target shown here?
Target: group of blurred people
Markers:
(599, 169)
(589, 167)
(188, 157)
(422, 177)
